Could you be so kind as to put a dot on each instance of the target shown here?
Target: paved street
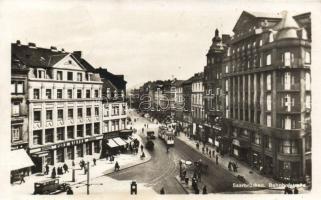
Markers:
(161, 170)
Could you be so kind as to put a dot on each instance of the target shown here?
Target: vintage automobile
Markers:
(51, 186)
(150, 145)
(150, 135)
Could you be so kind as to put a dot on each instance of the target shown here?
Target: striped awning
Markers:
(111, 143)
(119, 141)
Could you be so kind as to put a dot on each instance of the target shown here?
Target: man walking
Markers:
(22, 178)
(94, 160)
(47, 169)
(216, 158)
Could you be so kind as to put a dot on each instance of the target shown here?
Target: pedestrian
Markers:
(216, 158)
(197, 191)
(203, 149)
(53, 172)
(213, 153)
(141, 147)
(94, 160)
(162, 191)
(229, 165)
(73, 164)
(235, 166)
(296, 191)
(290, 191)
(47, 169)
(65, 166)
(69, 191)
(22, 178)
(117, 167)
(210, 153)
(204, 190)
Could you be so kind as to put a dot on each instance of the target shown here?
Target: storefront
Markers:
(240, 149)
(256, 160)
(20, 163)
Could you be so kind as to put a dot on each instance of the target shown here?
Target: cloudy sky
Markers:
(144, 40)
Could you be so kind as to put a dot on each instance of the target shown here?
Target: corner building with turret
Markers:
(266, 85)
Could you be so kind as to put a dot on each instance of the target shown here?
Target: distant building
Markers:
(187, 113)
(267, 87)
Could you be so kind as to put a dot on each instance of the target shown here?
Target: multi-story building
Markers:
(267, 103)
(213, 93)
(187, 113)
(19, 117)
(179, 102)
(64, 103)
(197, 105)
(114, 111)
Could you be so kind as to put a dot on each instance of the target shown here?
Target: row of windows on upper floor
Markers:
(288, 81)
(266, 39)
(61, 75)
(66, 93)
(197, 86)
(287, 59)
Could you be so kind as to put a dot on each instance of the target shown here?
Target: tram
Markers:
(166, 135)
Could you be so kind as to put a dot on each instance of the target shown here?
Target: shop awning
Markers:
(119, 141)
(111, 143)
(20, 159)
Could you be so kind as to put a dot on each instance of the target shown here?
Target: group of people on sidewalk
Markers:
(60, 170)
(232, 166)
(208, 151)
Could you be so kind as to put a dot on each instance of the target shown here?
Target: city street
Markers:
(161, 170)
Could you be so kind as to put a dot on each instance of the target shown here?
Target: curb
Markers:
(179, 182)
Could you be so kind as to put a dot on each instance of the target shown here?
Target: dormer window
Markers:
(41, 73)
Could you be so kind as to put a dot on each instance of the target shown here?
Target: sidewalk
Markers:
(250, 175)
(102, 168)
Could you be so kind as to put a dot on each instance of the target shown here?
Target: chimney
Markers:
(77, 54)
(32, 45)
(18, 42)
(53, 48)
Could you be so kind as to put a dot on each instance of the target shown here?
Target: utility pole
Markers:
(87, 178)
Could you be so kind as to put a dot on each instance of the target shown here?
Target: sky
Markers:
(144, 40)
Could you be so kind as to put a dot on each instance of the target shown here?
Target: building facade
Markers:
(267, 93)
(197, 105)
(64, 103)
(213, 104)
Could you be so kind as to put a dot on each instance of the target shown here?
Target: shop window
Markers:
(60, 155)
(70, 153)
(80, 130)
(59, 75)
(88, 129)
(37, 137)
(60, 133)
(69, 93)
(49, 115)
(96, 147)
(60, 114)
(49, 137)
(88, 148)
(87, 94)
(37, 116)
(70, 132)
(36, 94)
(79, 150)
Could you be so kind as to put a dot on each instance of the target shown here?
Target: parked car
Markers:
(150, 145)
(49, 187)
(150, 135)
